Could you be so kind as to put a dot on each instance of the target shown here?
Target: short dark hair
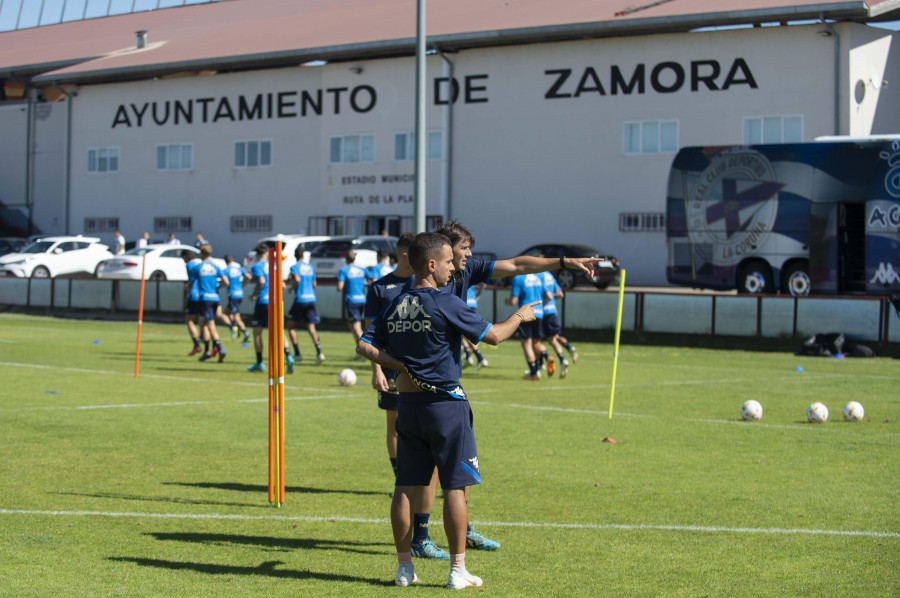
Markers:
(381, 254)
(228, 258)
(298, 253)
(426, 246)
(262, 249)
(350, 257)
(187, 254)
(405, 241)
(456, 232)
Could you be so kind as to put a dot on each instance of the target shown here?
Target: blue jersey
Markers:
(305, 291)
(354, 279)
(206, 276)
(261, 269)
(475, 272)
(550, 286)
(379, 270)
(194, 295)
(383, 291)
(529, 288)
(424, 329)
(235, 276)
(472, 298)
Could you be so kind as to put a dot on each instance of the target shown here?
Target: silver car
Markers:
(329, 257)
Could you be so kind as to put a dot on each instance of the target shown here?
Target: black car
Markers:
(605, 272)
(11, 244)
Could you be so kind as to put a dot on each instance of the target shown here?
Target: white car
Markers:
(54, 256)
(289, 244)
(328, 258)
(164, 262)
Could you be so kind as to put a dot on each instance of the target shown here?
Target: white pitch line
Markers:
(523, 524)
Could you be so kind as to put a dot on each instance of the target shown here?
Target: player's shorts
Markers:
(192, 308)
(304, 313)
(208, 309)
(435, 432)
(354, 311)
(234, 305)
(388, 400)
(261, 315)
(551, 325)
(531, 329)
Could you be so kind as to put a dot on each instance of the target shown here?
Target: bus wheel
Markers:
(796, 280)
(754, 277)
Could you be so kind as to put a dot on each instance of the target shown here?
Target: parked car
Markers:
(11, 244)
(329, 257)
(605, 272)
(54, 256)
(288, 248)
(164, 262)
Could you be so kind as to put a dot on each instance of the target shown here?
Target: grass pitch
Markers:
(113, 486)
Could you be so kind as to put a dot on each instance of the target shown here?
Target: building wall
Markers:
(537, 135)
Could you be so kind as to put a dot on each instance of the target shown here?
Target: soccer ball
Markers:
(347, 377)
(817, 413)
(853, 412)
(751, 410)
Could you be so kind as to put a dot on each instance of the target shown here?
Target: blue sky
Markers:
(31, 13)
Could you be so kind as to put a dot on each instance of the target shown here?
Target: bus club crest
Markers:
(733, 205)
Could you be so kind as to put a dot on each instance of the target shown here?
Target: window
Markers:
(250, 154)
(405, 146)
(175, 156)
(103, 159)
(408, 223)
(326, 225)
(172, 224)
(633, 222)
(773, 129)
(650, 137)
(351, 149)
(247, 224)
(100, 225)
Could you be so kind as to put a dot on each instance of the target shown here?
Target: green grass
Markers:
(156, 486)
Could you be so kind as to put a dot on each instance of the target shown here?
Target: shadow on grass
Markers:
(280, 544)
(267, 569)
(264, 489)
(169, 499)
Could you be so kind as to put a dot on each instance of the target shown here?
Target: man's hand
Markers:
(585, 264)
(379, 382)
(527, 311)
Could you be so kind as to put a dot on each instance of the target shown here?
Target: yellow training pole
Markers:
(137, 353)
(279, 323)
(273, 409)
(612, 388)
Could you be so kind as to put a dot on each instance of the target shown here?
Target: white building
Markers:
(547, 122)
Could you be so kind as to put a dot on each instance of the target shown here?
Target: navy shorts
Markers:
(304, 313)
(531, 329)
(551, 325)
(354, 311)
(234, 305)
(388, 400)
(192, 308)
(208, 309)
(433, 432)
(261, 315)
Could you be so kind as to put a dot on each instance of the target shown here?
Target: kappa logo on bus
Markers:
(885, 274)
(408, 315)
(733, 206)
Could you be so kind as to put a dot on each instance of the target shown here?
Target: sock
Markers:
(561, 357)
(206, 346)
(567, 346)
(394, 466)
(466, 351)
(318, 349)
(468, 526)
(196, 341)
(296, 350)
(458, 560)
(420, 527)
(218, 346)
(259, 357)
(544, 357)
(478, 355)
(533, 366)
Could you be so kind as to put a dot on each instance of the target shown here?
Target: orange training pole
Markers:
(137, 353)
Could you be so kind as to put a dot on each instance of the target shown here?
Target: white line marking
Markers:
(525, 524)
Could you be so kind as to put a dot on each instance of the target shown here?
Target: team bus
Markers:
(802, 218)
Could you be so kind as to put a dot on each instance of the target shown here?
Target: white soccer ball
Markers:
(751, 410)
(347, 377)
(853, 412)
(817, 413)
